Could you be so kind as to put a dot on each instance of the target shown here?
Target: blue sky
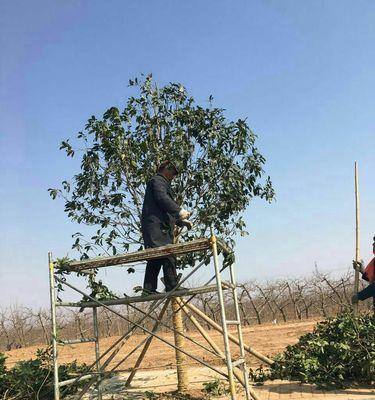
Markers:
(301, 72)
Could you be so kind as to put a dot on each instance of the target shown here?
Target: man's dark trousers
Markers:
(159, 214)
(152, 271)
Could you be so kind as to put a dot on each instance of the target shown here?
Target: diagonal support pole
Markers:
(215, 347)
(146, 346)
(232, 338)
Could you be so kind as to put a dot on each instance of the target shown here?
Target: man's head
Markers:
(168, 170)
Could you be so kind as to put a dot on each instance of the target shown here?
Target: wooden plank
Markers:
(144, 255)
(140, 299)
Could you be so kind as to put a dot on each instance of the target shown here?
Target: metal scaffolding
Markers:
(236, 370)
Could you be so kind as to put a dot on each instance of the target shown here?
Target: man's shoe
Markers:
(147, 292)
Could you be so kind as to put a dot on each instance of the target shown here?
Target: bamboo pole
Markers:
(357, 254)
(232, 338)
(182, 371)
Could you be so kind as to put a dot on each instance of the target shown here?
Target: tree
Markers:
(221, 169)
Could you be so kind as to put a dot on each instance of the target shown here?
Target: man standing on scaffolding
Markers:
(160, 213)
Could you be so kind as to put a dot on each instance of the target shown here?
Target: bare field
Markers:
(268, 339)
(159, 375)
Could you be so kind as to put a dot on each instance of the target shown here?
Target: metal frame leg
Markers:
(228, 357)
(97, 350)
(52, 291)
(240, 336)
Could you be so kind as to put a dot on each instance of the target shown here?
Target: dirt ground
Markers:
(158, 373)
(161, 382)
(269, 339)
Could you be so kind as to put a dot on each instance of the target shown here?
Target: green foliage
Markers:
(99, 291)
(3, 377)
(259, 375)
(339, 352)
(60, 271)
(221, 168)
(33, 379)
(216, 387)
(62, 263)
(151, 395)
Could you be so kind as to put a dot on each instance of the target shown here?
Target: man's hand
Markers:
(358, 266)
(187, 223)
(184, 214)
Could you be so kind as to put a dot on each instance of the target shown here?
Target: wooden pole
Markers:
(202, 331)
(182, 372)
(357, 255)
(147, 345)
(214, 346)
(232, 338)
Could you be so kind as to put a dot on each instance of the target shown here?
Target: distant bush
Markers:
(33, 379)
(340, 352)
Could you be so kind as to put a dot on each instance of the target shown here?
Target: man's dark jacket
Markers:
(159, 212)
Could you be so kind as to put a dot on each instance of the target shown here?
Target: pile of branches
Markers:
(340, 352)
(33, 379)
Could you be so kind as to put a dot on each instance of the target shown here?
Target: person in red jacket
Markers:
(368, 274)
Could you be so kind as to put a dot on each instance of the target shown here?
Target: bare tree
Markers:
(318, 296)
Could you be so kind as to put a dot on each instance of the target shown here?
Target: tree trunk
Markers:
(182, 370)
